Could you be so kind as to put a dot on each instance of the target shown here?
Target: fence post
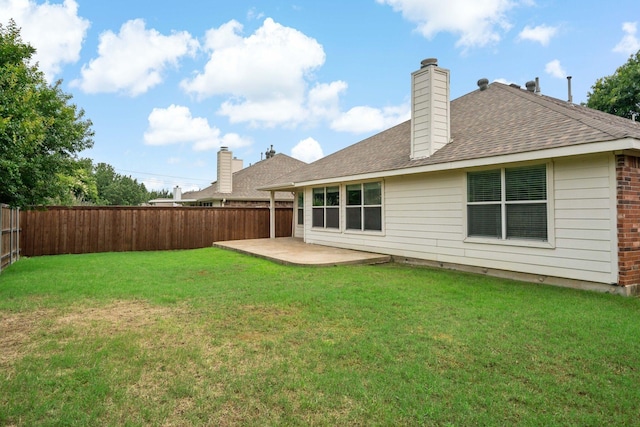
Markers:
(2, 205)
(15, 240)
(13, 230)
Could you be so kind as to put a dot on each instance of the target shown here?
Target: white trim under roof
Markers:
(573, 150)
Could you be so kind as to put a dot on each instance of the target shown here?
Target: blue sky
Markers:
(166, 83)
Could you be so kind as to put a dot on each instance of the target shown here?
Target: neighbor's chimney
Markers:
(430, 112)
(177, 193)
(225, 172)
(236, 165)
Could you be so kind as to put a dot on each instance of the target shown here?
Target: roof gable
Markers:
(247, 181)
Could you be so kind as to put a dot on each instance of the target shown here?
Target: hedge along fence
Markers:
(10, 235)
(77, 230)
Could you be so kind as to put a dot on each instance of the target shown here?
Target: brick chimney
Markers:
(225, 170)
(430, 109)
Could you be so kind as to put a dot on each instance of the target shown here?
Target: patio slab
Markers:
(292, 251)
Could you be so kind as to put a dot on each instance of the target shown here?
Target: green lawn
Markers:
(210, 337)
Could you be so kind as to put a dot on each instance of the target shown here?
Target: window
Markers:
(326, 207)
(509, 203)
(364, 206)
(300, 208)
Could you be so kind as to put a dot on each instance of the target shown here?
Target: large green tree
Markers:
(41, 132)
(116, 189)
(618, 93)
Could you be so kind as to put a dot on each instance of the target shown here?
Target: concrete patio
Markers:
(292, 251)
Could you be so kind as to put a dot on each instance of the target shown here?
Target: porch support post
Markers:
(272, 215)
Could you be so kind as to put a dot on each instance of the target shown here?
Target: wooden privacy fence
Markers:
(10, 235)
(76, 230)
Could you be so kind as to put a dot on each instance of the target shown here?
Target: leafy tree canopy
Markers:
(116, 189)
(41, 132)
(619, 93)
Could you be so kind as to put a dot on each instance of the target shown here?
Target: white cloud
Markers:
(324, 100)
(630, 43)
(54, 30)
(555, 69)
(175, 124)
(308, 150)
(503, 81)
(264, 75)
(156, 184)
(264, 112)
(478, 23)
(133, 60)
(541, 34)
(367, 119)
(253, 14)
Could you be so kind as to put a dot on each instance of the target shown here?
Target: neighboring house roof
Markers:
(498, 121)
(246, 181)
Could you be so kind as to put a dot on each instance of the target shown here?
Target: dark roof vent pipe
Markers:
(570, 99)
(530, 85)
(428, 62)
(483, 84)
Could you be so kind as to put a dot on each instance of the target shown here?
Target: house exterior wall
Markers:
(424, 218)
(628, 209)
(255, 204)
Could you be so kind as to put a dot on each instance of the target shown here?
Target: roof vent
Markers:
(428, 62)
(531, 86)
(483, 84)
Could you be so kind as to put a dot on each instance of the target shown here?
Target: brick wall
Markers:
(628, 196)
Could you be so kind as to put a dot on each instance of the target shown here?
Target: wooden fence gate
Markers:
(10, 235)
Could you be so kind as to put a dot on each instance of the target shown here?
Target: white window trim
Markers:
(324, 207)
(549, 244)
(298, 208)
(382, 209)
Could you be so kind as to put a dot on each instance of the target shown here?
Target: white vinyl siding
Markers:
(425, 218)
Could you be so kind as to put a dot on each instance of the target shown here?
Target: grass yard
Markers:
(211, 337)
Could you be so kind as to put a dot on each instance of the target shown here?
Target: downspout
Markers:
(272, 215)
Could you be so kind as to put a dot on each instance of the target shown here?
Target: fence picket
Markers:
(85, 229)
(9, 235)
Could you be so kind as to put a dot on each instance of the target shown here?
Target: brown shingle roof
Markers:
(247, 180)
(500, 120)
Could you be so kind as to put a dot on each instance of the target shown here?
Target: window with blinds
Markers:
(300, 209)
(364, 206)
(326, 207)
(509, 203)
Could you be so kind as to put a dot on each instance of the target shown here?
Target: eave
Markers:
(619, 145)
